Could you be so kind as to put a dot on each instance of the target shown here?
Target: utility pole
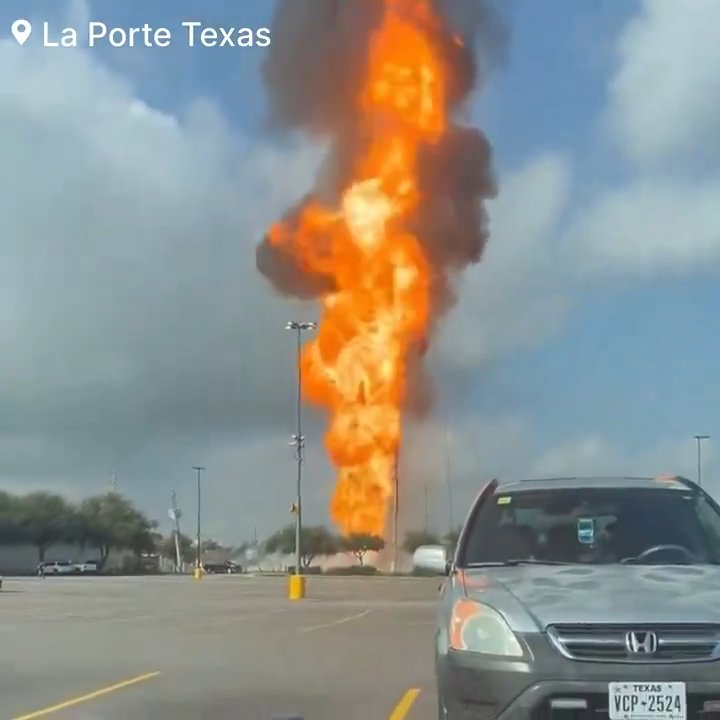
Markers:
(113, 481)
(198, 560)
(448, 480)
(298, 440)
(699, 439)
(427, 519)
(396, 507)
(176, 514)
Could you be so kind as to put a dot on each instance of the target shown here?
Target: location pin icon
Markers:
(21, 30)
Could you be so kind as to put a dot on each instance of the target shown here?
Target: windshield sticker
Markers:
(586, 531)
(504, 500)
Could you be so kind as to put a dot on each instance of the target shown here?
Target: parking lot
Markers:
(224, 647)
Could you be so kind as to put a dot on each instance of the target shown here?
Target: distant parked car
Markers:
(58, 567)
(224, 567)
(89, 567)
(434, 555)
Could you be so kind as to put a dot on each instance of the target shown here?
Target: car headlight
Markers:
(478, 628)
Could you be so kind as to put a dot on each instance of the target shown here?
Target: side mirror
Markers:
(431, 559)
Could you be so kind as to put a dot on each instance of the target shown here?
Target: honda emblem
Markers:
(641, 643)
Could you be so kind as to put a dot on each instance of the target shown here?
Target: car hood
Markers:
(531, 597)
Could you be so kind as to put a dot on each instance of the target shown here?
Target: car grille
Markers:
(608, 643)
(594, 706)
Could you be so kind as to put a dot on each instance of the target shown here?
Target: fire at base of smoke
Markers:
(398, 214)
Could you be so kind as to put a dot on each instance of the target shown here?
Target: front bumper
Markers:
(547, 685)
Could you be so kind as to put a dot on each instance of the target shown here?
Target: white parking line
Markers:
(341, 621)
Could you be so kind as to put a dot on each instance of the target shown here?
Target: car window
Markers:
(595, 525)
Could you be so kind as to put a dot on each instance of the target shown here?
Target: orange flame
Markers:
(355, 367)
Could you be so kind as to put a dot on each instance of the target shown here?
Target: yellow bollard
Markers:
(197, 573)
(296, 587)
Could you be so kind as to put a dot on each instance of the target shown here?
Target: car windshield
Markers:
(595, 525)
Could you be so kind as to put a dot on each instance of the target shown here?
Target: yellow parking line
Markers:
(85, 698)
(406, 702)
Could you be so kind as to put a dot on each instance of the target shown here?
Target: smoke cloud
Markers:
(312, 74)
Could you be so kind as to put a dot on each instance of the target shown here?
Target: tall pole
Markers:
(448, 481)
(176, 517)
(299, 456)
(396, 507)
(198, 559)
(427, 518)
(699, 439)
(298, 440)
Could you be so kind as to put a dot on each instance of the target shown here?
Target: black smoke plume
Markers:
(312, 74)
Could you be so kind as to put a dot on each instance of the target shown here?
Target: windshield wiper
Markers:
(515, 562)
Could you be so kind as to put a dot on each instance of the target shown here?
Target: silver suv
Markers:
(583, 597)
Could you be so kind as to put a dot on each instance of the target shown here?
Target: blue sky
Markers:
(611, 178)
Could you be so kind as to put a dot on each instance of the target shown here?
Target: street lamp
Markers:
(198, 561)
(448, 480)
(298, 439)
(699, 439)
(396, 510)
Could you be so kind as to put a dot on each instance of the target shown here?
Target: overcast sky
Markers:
(137, 335)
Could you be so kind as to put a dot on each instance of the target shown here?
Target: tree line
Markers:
(110, 521)
(103, 522)
(318, 540)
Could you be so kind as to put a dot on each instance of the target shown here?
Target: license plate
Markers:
(647, 701)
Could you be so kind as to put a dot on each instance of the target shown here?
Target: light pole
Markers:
(298, 441)
(699, 439)
(427, 509)
(448, 480)
(198, 560)
(396, 509)
(175, 515)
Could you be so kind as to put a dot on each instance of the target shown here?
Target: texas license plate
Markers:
(647, 701)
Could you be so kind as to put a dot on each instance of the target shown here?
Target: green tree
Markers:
(111, 521)
(415, 538)
(361, 543)
(282, 541)
(44, 519)
(314, 541)
(187, 551)
(11, 532)
(144, 539)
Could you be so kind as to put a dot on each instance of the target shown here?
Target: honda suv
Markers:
(583, 597)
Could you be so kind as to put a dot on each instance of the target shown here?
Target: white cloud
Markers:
(664, 107)
(515, 297)
(136, 331)
(594, 455)
(648, 227)
(665, 96)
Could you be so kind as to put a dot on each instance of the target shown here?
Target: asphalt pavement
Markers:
(219, 648)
